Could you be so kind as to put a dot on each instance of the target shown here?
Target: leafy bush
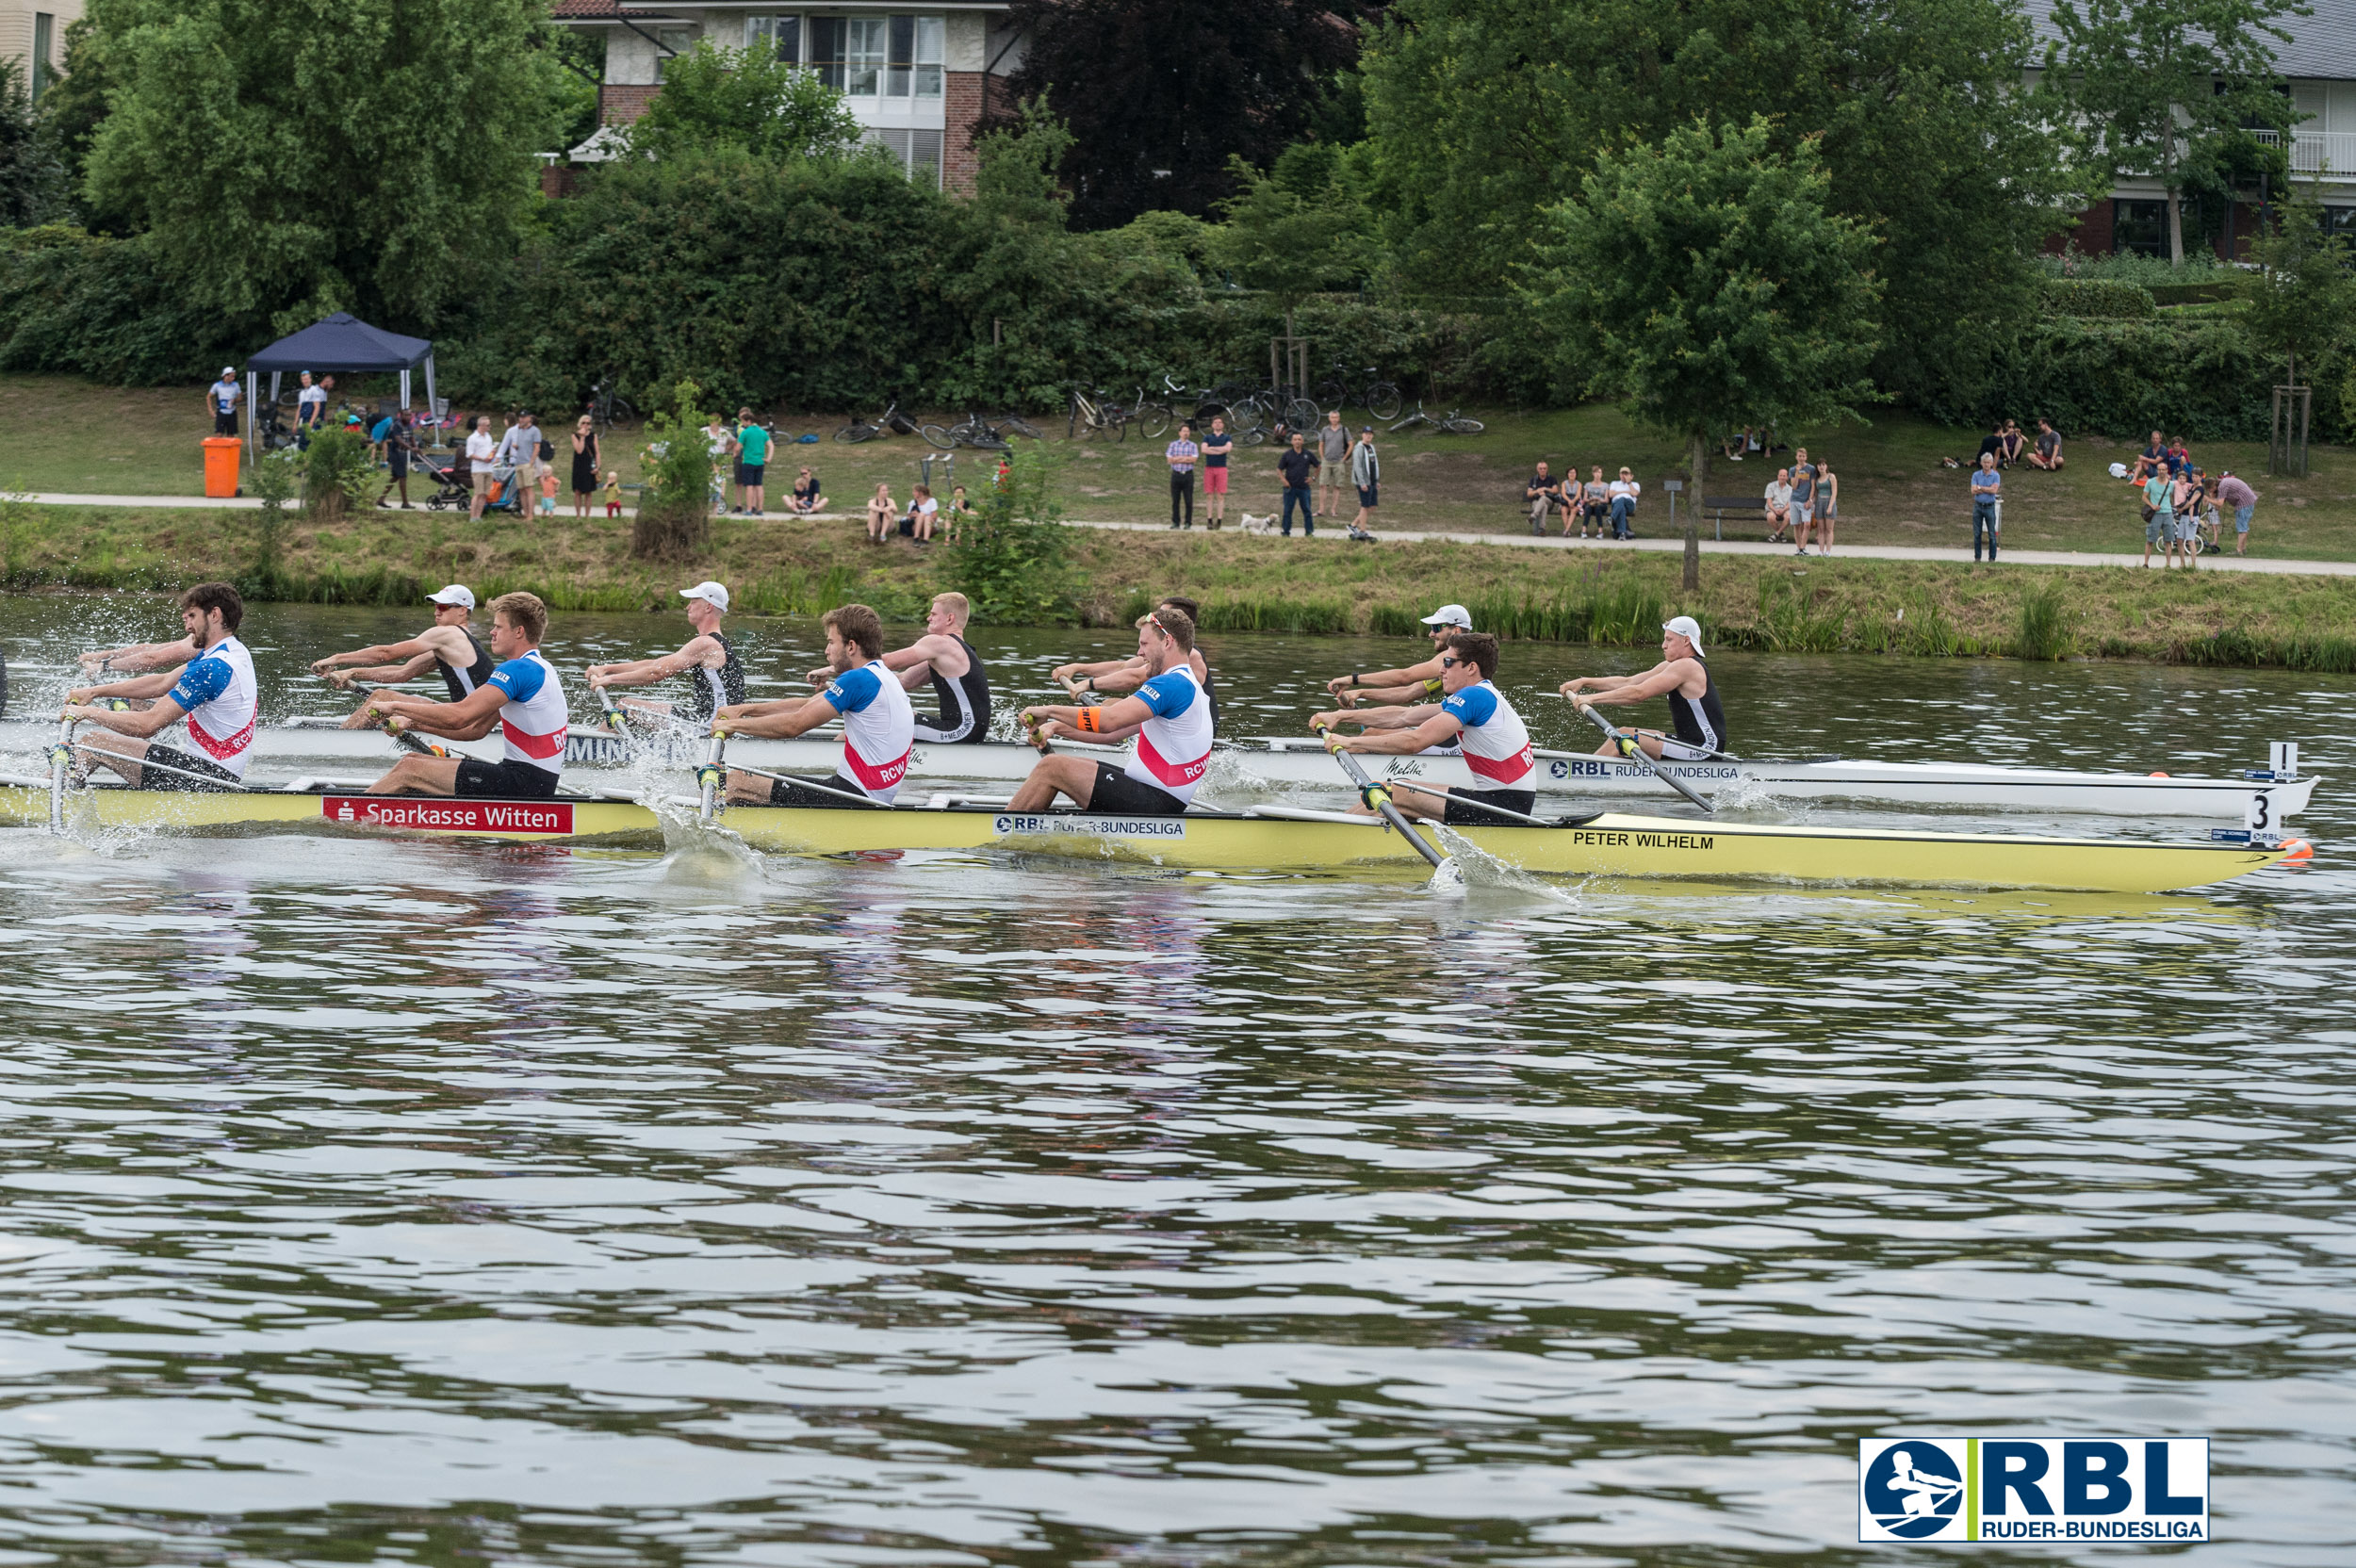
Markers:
(338, 474)
(1012, 560)
(673, 521)
(76, 304)
(2103, 298)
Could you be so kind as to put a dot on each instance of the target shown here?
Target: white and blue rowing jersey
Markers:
(222, 701)
(1496, 743)
(1173, 748)
(878, 728)
(533, 719)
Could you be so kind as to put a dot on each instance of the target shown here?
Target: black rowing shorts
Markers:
(507, 780)
(783, 793)
(1118, 795)
(155, 779)
(1460, 815)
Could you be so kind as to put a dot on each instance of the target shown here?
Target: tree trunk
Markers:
(1694, 512)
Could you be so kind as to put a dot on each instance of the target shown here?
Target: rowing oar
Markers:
(1447, 877)
(613, 720)
(711, 768)
(1629, 747)
(396, 727)
(1089, 700)
(61, 760)
(712, 775)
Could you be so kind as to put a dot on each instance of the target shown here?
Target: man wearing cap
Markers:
(709, 661)
(1695, 714)
(222, 398)
(449, 644)
(1416, 682)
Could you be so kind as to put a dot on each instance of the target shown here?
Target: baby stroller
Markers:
(453, 487)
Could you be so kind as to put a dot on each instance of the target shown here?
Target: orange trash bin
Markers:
(221, 455)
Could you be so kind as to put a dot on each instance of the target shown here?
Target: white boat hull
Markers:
(1292, 763)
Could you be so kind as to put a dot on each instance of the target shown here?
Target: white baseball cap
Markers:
(1687, 627)
(1450, 615)
(457, 593)
(228, 369)
(711, 592)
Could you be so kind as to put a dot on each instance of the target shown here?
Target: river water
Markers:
(454, 1204)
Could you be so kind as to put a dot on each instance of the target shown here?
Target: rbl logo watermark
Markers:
(2124, 1489)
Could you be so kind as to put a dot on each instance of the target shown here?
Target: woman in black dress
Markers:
(585, 455)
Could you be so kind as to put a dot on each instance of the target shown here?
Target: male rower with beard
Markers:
(1695, 715)
(960, 684)
(716, 675)
(1415, 683)
(522, 698)
(878, 725)
(449, 644)
(1169, 714)
(215, 690)
(1475, 712)
(1118, 677)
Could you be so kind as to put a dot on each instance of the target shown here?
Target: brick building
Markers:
(2318, 66)
(919, 80)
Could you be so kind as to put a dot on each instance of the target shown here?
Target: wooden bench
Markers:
(1718, 506)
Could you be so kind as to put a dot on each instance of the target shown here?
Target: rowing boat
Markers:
(1261, 837)
(1287, 763)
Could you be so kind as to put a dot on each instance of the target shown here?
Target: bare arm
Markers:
(646, 672)
(409, 671)
(1659, 681)
(1109, 723)
(763, 720)
(142, 686)
(469, 719)
(383, 653)
(1394, 717)
(142, 656)
(1436, 730)
(140, 723)
(1413, 675)
(1091, 672)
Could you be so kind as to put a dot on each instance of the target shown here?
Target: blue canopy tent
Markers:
(341, 345)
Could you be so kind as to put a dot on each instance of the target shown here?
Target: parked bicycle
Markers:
(1450, 423)
(890, 422)
(607, 406)
(1341, 387)
(1093, 410)
(990, 435)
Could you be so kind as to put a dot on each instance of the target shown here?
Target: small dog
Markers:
(1256, 524)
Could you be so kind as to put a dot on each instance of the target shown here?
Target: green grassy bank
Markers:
(779, 566)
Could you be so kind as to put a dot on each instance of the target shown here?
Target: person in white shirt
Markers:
(221, 400)
(482, 459)
(310, 411)
(1625, 490)
(1779, 499)
(924, 511)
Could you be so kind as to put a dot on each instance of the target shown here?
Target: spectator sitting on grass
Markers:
(955, 514)
(804, 498)
(881, 509)
(923, 510)
(2047, 454)
(2179, 459)
(1992, 444)
(2153, 456)
(2014, 442)
(1778, 502)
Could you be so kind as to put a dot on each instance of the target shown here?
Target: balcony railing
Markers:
(2318, 151)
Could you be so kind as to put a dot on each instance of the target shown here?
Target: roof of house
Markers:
(585, 8)
(2322, 47)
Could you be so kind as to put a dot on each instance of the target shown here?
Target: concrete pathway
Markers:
(1512, 541)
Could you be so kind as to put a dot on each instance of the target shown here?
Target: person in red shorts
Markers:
(1219, 445)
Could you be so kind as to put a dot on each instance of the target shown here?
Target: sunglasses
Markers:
(1449, 662)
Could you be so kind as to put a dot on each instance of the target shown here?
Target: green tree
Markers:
(1294, 231)
(2300, 297)
(75, 103)
(1481, 113)
(1712, 286)
(715, 96)
(294, 157)
(2167, 88)
(31, 182)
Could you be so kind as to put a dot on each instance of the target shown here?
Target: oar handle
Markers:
(1378, 799)
(613, 720)
(712, 772)
(1087, 699)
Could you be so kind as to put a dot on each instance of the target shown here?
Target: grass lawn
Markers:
(58, 433)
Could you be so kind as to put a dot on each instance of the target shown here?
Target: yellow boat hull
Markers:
(1612, 845)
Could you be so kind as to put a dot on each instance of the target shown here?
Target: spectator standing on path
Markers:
(1777, 500)
(1803, 497)
(1298, 466)
(1333, 455)
(1366, 472)
(1217, 447)
(2159, 515)
(482, 454)
(2047, 454)
(400, 446)
(2232, 492)
(519, 451)
(1542, 492)
(1180, 454)
(587, 456)
(1986, 485)
(1827, 505)
(220, 399)
(2183, 496)
(1626, 492)
(310, 408)
(752, 463)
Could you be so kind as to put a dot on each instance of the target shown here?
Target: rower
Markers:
(960, 684)
(1417, 683)
(521, 697)
(710, 664)
(1496, 742)
(1115, 677)
(878, 725)
(449, 644)
(1169, 714)
(1684, 679)
(139, 657)
(215, 690)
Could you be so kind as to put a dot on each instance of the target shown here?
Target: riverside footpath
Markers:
(1335, 535)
